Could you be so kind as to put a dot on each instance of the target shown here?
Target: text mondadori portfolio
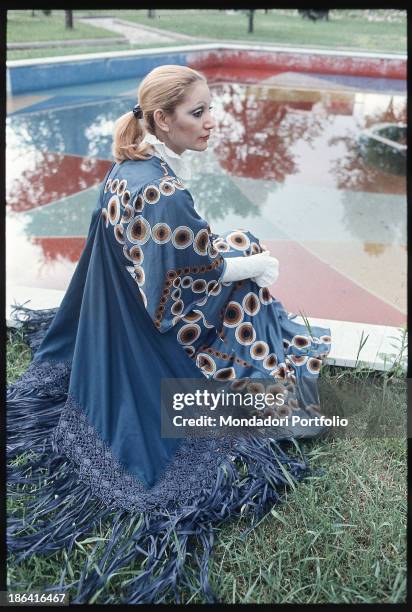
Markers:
(257, 421)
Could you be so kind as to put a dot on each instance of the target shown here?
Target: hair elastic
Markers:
(137, 111)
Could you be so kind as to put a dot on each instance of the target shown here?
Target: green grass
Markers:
(22, 27)
(338, 538)
(346, 30)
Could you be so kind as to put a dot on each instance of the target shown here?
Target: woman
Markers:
(155, 296)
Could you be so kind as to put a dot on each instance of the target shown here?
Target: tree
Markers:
(251, 16)
(69, 19)
(151, 13)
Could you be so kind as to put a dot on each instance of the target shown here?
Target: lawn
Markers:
(339, 537)
(346, 30)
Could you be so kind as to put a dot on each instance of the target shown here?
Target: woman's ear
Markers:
(161, 120)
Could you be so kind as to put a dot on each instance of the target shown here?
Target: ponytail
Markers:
(127, 139)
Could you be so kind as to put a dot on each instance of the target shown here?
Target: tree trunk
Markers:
(151, 13)
(69, 19)
(251, 15)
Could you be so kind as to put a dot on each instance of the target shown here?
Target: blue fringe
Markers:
(173, 547)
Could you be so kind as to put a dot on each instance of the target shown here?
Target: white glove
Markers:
(261, 267)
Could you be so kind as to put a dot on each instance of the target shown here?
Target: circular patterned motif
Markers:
(192, 316)
(221, 245)
(175, 295)
(108, 185)
(264, 296)
(298, 360)
(190, 350)
(113, 210)
(255, 248)
(151, 194)
(251, 303)
(225, 374)
(186, 282)
(105, 216)
(136, 254)
(127, 213)
(313, 365)
(121, 187)
(216, 289)
(119, 233)
(144, 298)
(326, 339)
(205, 363)
(238, 240)
(188, 333)
(182, 237)
(166, 187)
(259, 350)
(245, 334)
(199, 285)
(114, 185)
(139, 275)
(177, 307)
(139, 203)
(300, 341)
(161, 233)
(233, 314)
(138, 230)
(126, 198)
(270, 361)
(201, 242)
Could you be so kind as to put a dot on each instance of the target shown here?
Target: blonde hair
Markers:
(164, 87)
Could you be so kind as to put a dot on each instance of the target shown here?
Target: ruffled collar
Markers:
(179, 166)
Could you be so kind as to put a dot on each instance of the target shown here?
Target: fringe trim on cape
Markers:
(172, 544)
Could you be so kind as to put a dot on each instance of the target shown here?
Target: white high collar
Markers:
(179, 166)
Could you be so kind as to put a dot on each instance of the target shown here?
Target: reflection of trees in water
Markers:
(216, 196)
(353, 172)
(255, 133)
(82, 130)
(375, 221)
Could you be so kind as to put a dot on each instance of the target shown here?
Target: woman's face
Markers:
(190, 125)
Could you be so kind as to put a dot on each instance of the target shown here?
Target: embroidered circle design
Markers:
(216, 289)
(188, 333)
(186, 282)
(121, 187)
(202, 301)
(190, 350)
(245, 334)
(286, 343)
(151, 194)
(300, 341)
(166, 188)
(270, 361)
(298, 360)
(212, 251)
(199, 285)
(182, 237)
(139, 203)
(138, 230)
(205, 363)
(126, 253)
(238, 240)
(192, 316)
(326, 339)
(139, 275)
(177, 307)
(127, 213)
(280, 372)
(114, 185)
(251, 303)
(239, 384)
(175, 295)
(119, 233)
(264, 296)
(233, 314)
(225, 374)
(201, 242)
(107, 186)
(113, 209)
(161, 233)
(221, 245)
(144, 298)
(255, 248)
(313, 365)
(126, 198)
(211, 285)
(136, 254)
(284, 411)
(259, 350)
(177, 281)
